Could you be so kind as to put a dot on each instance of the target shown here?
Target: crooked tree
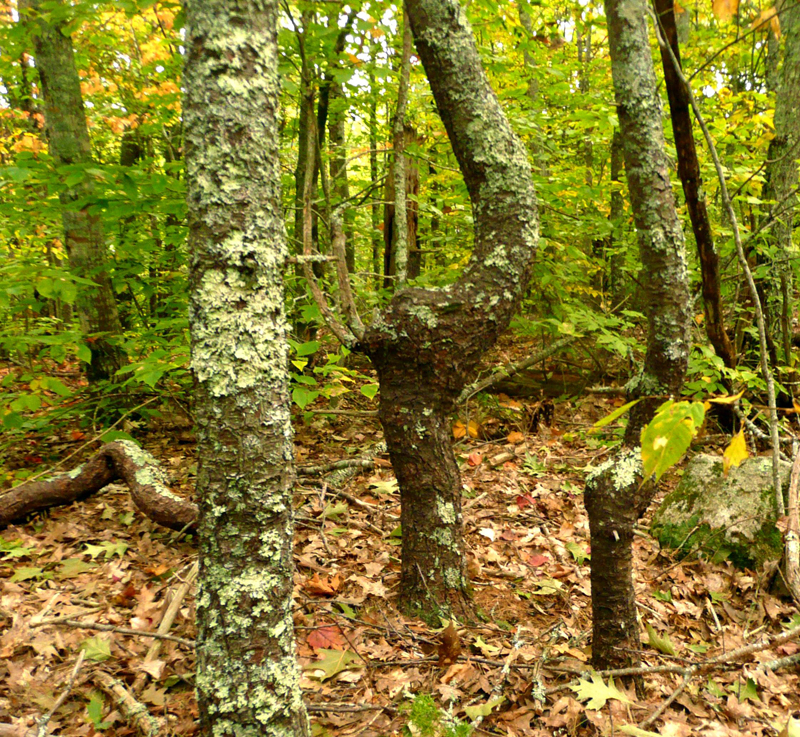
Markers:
(425, 345)
(615, 497)
(69, 144)
(247, 676)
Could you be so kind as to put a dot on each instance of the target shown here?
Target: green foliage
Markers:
(94, 712)
(668, 435)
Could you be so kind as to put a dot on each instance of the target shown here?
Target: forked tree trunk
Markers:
(615, 497)
(426, 344)
(84, 237)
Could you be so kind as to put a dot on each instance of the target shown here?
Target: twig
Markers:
(136, 712)
(667, 702)
(41, 729)
(751, 284)
(166, 622)
(56, 622)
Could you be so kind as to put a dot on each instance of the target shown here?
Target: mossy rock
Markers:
(729, 517)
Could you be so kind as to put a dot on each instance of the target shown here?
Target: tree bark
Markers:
(615, 497)
(426, 344)
(782, 172)
(247, 675)
(689, 173)
(84, 236)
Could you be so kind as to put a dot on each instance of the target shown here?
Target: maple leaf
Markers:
(725, 9)
(333, 662)
(598, 692)
(329, 637)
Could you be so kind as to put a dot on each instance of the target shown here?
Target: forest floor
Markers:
(101, 562)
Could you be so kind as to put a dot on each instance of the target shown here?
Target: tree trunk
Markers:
(689, 173)
(84, 237)
(782, 173)
(614, 495)
(247, 676)
(426, 344)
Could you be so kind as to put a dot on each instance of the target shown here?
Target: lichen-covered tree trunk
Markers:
(615, 497)
(247, 675)
(68, 141)
(689, 173)
(782, 171)
(426, 344)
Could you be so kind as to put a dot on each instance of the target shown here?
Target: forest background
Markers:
(340, 141)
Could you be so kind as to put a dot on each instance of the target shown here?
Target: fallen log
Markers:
(122, 460)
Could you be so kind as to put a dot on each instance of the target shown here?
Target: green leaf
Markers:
(370, 390)
(668, 436)
(84, 353)
(108, 549)
(13, 421)
(72, 567)
(597, 692)
(580, 555)
(96, 649)
(547, 587)
(714, 688)
(302, 397)
(26, 574)
(94, 710)
(483, 710)
(661, 643)
(617, 413)
(305, 349)
(112, 435)
(384, 487)
(333, 662)
(14, 549)
(749, 692)
(334, 510)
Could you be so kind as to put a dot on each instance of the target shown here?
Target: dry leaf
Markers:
(450, 647)
(724, 10)
(515, 438)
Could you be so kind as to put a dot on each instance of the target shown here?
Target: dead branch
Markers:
(511, 369)
(166, 622)
(75, 624)
(135, 712)
(122, 460)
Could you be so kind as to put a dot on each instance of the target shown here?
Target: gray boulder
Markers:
(729, 517)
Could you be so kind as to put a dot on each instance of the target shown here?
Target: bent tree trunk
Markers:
(84, 237)
(615, 497)
(426, 344)
(247, 675)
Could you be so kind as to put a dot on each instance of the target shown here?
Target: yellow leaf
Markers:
(735, 453)
(727, 400)
(459, 430)
(724, 10)
(515, 438)
(473, 428)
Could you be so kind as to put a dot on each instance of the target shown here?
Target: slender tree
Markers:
(68, 140)
(689, 173)
(615, 497)
(247, 676)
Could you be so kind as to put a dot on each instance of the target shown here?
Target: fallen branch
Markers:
(356, 463)
(75, 624)
(166, 622)
(514, 368)
(41, 729)
(122, 460)
(134, 711)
